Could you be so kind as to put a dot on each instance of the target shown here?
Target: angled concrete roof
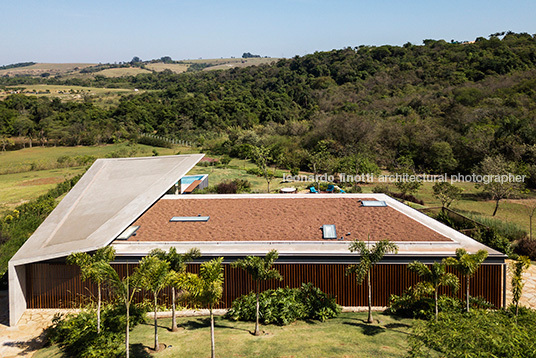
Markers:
(111, 195)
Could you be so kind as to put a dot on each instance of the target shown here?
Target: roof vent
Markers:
(198, 218)
(373, 203)
(129, 231)
(329, 232)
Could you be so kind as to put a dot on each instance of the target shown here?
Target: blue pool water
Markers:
(191, 178)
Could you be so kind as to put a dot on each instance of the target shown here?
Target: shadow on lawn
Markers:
(138, 351)
(368, 329)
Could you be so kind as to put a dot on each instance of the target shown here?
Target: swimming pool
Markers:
(189, 179)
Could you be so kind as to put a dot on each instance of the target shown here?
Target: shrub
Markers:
(254, 171)
(526, 247)
(382, 189)
(283, 306)
(480, 333)
(491, 238)
(226, 187)
(242, 185)
(415, 304)
(407, 197)
(77, 334)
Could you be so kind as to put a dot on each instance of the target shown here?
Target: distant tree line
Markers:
(438, 107)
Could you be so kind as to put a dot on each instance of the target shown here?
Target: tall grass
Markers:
(510, 230)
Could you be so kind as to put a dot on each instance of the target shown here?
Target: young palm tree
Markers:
(518, 267)
(125, 288)
(260, 269)
(91, 269)
(210, 290)
(370, 255)
(434, 277)
(154, 276)
(467, 265)
(177, 263)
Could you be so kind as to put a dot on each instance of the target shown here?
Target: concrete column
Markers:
(17, 292)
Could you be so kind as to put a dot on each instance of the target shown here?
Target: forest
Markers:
(442, 107)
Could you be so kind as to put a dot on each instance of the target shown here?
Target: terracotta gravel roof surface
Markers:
(278, 219)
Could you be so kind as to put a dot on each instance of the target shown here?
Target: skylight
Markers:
(329, 232)
(198, 218)
(373, 203)
(129, 231)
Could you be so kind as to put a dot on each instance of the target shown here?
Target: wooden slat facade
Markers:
(51, 285)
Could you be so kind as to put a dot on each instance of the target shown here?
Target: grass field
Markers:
(345, 336)
(19, 184)
(174, 67)
(72, 93)
(52, 68)
(120, 72)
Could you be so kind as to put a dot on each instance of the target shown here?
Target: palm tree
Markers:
(260, 269)
(154, 276)
(91, 269)
(518, 267)
(177, 263)
(467, 265)
(434, 277)
(369, 257)
(210, 290)
(125, 288)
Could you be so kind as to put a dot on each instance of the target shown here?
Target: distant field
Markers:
(72, 70)
(174, 67)
(239, 62)
(65, 92)
(52, 68)
(120, 72)
(18, 183)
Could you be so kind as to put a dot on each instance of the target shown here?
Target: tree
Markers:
(441, 158)
(532, 211)
(518, 267)
(154, 276)
(495, 168)
(125, 288)
(446, 193)
(407, 181)
(369, 257)
(467, 264)
(177, 262)
(358, 165)
(210, 290)
(91, 269)
(260, 269)
(434, 277)
(261, 156)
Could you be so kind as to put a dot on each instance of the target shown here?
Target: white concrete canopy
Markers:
(111, 195)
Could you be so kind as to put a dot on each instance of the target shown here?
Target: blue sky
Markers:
(117, 30)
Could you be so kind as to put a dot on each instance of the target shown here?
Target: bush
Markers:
(381, 189)
(480, 333)
(526, 247)
(491, 238)
(283, 306)
(77, 334)
(415, 304)
(226, 187)
(254, 171)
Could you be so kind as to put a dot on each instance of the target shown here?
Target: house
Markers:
(126, 203)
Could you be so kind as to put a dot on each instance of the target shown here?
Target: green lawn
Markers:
(345, 336)
(18, 183)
